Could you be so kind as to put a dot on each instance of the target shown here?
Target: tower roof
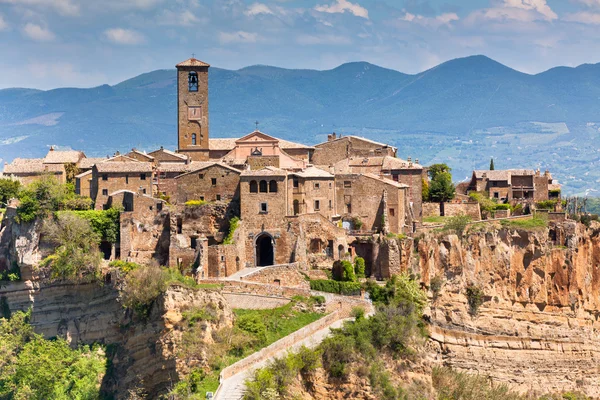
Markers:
(192, 62)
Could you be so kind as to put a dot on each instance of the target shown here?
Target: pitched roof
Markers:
(83, 174)
(284, 144)
(364, 139)
(192, 62)
(266, 171)
(391, 163)
(386, 180)
(124, 166)
(313, 172)
(221, 143)
(88, 162)
(141, 153)
(169, 152)
(502, 174)
(63, 156)
(25, 166)
(199, 166)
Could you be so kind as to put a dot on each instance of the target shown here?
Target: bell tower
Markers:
(192, 109)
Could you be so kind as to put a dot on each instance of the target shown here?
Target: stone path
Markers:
(233, 387)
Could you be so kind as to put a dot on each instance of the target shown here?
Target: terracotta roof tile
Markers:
(192, 62)
(266, 171)
(88, 162)
(61, 157)
(122, 166)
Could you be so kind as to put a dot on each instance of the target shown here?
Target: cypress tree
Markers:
(492, 164)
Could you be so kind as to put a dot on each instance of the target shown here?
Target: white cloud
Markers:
(518, 10)
(3, 23)
(322, 39)
(341, 6)
(590, 3)
(434, 22)
(238, 37)
(184, 18)
(63, 7)
(64, 73)
(258, 8)
(584, 17)
(124, 36)
(38, 33)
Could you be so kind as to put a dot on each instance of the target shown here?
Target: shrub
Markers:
(459, 385)
(546, 204)
(357, 313)
(142, 288)
(77, 256)
(195, 314)
(124, 266)
(348, 272)
(587, 219)
(474, 298)
(307, 360)
(233, 225)
(457, 224)
(320, 300)
(330, 286)
(9, 189)
(27, 210)
(436, 285)
(359, 267)
(105, 223)
(253, 324)
(357, 223)
(502, 207)
(195, 203)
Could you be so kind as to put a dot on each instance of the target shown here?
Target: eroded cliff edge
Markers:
(538, 326)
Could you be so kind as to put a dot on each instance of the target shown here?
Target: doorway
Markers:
(264, 250)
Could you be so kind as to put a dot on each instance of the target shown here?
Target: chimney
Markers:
(331, 137)
(416, 161)
(409, 159)
(547, 174)
(162, 148)
(484, 175)
(537, 172)
(117, 153)
(52, 148)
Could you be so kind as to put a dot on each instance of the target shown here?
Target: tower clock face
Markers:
(195, 113)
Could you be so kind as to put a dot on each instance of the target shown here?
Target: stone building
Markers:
(380, 204)
(111, 175)
(210, 182)
(311, 191)
(192, 109)
(340, 147)
(140, 156)
(164, 156)
(61, 164)
(514, 184)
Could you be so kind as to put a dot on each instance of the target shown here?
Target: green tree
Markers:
(492, 164)
(359, 267)
(425, 189)
(441, 188)
(436, 169)
(77, 256)
(8, 190)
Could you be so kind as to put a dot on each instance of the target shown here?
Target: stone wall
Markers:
(133, 181)
(214, 183)
(330, 152)
(186, 126)
(471, 209)
(253, 302)
(284, 275)
(253, 288)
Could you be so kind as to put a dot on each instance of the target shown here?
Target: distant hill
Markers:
(461, 112)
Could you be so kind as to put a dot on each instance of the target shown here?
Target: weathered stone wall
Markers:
(215, 183)
(308, 191)
(284, 275)
(471, 209)
(223, 261)
(186, 126)
(259, 162)
(250, 207)
(133, 181)
(330, 152)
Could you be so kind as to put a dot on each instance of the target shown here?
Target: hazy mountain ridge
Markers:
(463, 111)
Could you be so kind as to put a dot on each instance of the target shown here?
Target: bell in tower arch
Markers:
(193, 81)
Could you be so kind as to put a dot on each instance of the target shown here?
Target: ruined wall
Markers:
(453, 209)
(541, 297)
(285, 275)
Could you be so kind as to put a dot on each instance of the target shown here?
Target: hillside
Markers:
(461, 112)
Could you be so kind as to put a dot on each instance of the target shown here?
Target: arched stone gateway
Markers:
(264, 250)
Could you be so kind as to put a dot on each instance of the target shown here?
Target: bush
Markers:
(546, 204)
(457, 224)
(359, 267)
(343, 271)
(320, 300)
(142, 288)
(9, 189)
(233, 225)
(27, 210)
(105, 223)
(474, 298)
(195, 203)
(459, 385)
(77, 256)
(330, 286)
(253, 324)
(124, 266)
(435, 285)
(502, 207)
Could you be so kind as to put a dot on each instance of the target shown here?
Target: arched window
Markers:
(193, 81)
(273, 186)
(253, 187)
(193, 139)
(263, 186)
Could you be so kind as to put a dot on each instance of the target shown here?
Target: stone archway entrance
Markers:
(263, 250)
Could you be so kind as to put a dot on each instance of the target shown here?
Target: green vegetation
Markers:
(233, 225)
(195, 203)
(536, 222)
(37, 369)
(77, 256)
(475, 298)
(457, 224)
(359, 267)
(435, 220)
(396, 329)
(252, 331)
(105, 223)
(143, 286)
(12, 275)
(546, 204)
(9, 189)
(435, 285)
(424, 189)
(441, 188)
(124, 266)
(331, 286)
(492, 164)
(486, 205)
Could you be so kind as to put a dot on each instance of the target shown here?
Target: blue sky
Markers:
(55, 43)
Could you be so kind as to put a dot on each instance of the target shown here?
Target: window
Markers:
(104, 177)
(317, 205)
(330, 205)
(201, 176)
(144, 191)
(193, 139)
(395, 177)
(347, 184)
(213, 181)
(127, 179)
(264, 208)
(193, 242)
(317, 185)
(159, 206)
(496, 195)
(162, 175)
(349, 208)
(392, 212)
(143, 177)
(218, 197)
(263, 186)
(494, 183)
(330, 185)
(273, 186)
(222, 258)
(104, 192)
(295, 182)
(193, 81)
(253, 187)
(202, 198)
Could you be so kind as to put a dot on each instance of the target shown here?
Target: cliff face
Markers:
(538, 326)
(143, 355)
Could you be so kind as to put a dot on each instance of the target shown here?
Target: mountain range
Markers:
(462, 112)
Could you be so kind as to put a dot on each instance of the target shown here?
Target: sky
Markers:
(46, 44)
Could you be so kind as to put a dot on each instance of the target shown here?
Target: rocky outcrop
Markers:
(144, 355)
(537, 328)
